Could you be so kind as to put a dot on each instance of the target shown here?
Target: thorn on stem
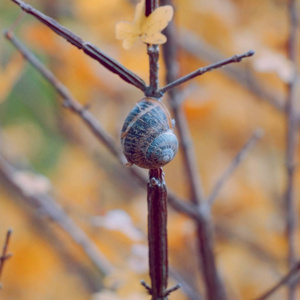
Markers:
(172, 289)
(147, 287)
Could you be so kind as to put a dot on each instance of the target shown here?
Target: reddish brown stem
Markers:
(157, 233)
(153, 53)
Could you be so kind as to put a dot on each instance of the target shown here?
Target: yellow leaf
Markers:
(147, 28)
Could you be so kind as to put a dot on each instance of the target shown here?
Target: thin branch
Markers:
(193, 178)
(229, 233)
(69, 101)
(186, 286)
(291, 140)
(201, 71)
(153, 54)
(95, 126)
(234, 164)
(150, 6)
(199, 48)
(91, 50)
(4, 256)
(286, 279)
(49, 207)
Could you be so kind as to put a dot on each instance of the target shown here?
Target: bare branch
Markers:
(157, 233)
(234, 164)
(95, 126)
(199, 48)
(4, 256)
(69, 101)
(49, 207)
(291, 148)
(172, 72)
(205, 232)
(185, 285)
(91, 50)
(153, 54)
(229, 233)
(201, 71)
(293, 272)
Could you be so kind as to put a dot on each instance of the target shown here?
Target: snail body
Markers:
(147, 136)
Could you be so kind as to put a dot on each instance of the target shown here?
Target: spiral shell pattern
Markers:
(147, 136)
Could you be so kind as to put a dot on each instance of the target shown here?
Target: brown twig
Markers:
(88, 48)
(201, 49)
(188, 153)
(229, 233)
(156, 195)
(157, 233)
(186, 286)
(153, 54)
(291, 148)
(201, 71)
(233, 165)
(286, 279)
(5, 256)
(49, 207)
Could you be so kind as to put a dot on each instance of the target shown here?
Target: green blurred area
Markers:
(31, 101)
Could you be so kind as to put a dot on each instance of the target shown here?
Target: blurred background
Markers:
(223, 109)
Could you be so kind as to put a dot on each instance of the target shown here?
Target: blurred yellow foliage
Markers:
(9, 75)
(222, 114)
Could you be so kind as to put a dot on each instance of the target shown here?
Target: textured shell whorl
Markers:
(147, 138)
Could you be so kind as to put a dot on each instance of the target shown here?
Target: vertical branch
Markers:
(156, 196)
(151, 5)
(189, 157)
(153, 53)
(291, 140)
(205, 233)
(157, 233)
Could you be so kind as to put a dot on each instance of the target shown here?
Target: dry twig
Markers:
(201, 71)
(88, 48)
(213, 285)
(93, 124)
(5, 256)
(49, 207)
(199, 48)
(286, 279)
(233, 165)
(291, 148)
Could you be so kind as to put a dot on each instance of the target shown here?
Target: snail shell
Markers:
(147, 136)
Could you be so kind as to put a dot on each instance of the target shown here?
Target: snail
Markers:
(147, 136)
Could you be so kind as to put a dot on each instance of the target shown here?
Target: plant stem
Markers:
(157, 233)
(205, 232)
(4, 256)
(285, 279)
(201, 71)
(291, 140)
(153, 53)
